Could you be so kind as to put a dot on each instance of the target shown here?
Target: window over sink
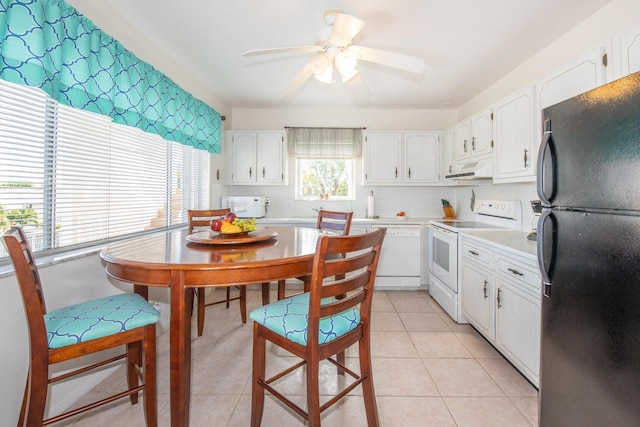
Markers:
(325, 161)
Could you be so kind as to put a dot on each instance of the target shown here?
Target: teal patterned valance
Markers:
(48, 44)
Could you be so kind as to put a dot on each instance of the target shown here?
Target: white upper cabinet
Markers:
(515, 137)
(400, 158)
(462, 144)
(421, 157)
(271, 155)
(257, 157)
(382, 154)
(448, 141)
(584, 73)
(629, 52)
(473, 137)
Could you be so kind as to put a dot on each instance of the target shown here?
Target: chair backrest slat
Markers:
(354, 260)
(339, 222)
(203, 217)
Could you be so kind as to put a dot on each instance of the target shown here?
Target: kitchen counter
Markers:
(508, 240)
(381, 220)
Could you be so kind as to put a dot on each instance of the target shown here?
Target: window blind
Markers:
(73, 178)
(317, 143)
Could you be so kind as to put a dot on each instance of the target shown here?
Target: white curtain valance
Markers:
(314, 143)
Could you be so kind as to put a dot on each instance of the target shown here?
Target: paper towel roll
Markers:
(370, 207)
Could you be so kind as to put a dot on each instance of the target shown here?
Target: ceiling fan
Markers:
(336, 56)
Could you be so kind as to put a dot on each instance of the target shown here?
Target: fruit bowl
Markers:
(401, 216)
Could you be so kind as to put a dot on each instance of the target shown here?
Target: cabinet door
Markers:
(481, 133)
(477, 298)
(382, 157)
(514, 158)
(630, 52)
(448, 141)
(244, 158)
(518, 328)
(420, 157)
(462, 146)
(581, 75)
(270, 156)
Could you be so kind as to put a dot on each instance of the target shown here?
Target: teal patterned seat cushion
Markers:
(289, 318)
(98, 318)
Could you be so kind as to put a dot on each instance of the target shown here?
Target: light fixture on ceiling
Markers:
(324, 65)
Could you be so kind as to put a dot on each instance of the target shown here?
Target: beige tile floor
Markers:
(428, 371)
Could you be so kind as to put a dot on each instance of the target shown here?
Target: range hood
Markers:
(473, 170)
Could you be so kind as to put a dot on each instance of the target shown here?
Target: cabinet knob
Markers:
(473, 143)
(526, 158)
(263, 171)
(484, 289)
(409, 172)
(499, 299)
(250, 171)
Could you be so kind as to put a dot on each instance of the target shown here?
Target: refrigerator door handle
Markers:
(546, 245)
(547, 179)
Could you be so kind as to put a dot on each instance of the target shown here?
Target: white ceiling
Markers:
(466, 44)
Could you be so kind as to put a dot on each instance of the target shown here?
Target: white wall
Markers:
(256, 118)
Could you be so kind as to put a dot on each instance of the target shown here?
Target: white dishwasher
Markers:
(399, 264)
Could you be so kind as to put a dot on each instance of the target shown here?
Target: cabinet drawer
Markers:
(477, 254)
(523, 273)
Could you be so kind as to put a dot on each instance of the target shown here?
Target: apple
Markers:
(216, 224)
(229, 217)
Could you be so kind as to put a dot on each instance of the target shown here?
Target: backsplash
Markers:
(416, 201)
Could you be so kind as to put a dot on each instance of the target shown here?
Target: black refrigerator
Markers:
(589, 256)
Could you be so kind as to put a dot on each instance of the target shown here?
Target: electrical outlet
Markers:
(267, 201)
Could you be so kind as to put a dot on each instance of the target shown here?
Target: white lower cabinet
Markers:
(501, 299)
(477, 304)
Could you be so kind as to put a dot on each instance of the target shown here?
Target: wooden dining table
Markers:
(180, 261)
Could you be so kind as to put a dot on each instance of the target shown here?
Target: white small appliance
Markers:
(246, 206)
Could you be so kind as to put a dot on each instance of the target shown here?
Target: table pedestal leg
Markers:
(180, 351)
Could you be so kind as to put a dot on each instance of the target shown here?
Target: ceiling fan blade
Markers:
(283, 50)
(345, 29)
(297, 81)
(390, 59)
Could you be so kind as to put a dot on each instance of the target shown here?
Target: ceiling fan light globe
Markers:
(326, 76)
(319, 63)
(346, 61)
(348, 75)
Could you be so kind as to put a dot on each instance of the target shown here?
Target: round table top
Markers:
(171, 251)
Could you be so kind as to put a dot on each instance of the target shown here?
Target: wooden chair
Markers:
(201, 218)
(78, 330)
(338, 222)
(316, 325)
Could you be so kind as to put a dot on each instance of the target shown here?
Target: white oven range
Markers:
(443, 248)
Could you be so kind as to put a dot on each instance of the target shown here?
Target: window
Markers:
(325, 162)
(73, 178)
(325, 179)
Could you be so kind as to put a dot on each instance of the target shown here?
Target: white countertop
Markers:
(508, 240)
(313, 219)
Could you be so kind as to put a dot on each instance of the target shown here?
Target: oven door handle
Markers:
(441, 230)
